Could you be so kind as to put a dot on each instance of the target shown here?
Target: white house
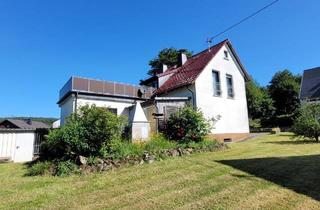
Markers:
(212, 80)
(119, 98)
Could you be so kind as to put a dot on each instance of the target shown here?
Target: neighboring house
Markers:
(119, 98)
(310, 85)
(20, 139)
(212, 80)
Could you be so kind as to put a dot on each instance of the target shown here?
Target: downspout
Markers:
(192, 93)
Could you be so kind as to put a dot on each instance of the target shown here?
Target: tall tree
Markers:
(260, 105)
(168, 56)
(284, 90)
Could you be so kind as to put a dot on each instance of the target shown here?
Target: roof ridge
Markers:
(190, 70)
(207, 49)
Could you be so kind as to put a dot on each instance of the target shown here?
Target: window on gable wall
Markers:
(216, 83)
(226, 55)
(230, 86)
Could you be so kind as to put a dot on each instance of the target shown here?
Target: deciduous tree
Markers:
(168, 56)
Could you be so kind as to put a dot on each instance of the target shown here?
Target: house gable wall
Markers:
(67, 108)
(233, 112)
(182, 92)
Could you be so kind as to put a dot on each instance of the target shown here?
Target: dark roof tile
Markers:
(21, 124)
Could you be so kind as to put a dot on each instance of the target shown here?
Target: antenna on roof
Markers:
(209, 41)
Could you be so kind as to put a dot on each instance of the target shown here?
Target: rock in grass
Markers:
(190, 150)
(174, 153)
(83, 160)
(151, 159)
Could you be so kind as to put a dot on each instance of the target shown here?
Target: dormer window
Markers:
(226, 55)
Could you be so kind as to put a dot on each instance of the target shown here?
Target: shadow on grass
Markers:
(287, 134)
(298, 173)
(292, 142)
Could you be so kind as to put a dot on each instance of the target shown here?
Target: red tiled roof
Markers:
(188, 73)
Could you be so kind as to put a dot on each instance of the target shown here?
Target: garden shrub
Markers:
(307, 124)
(66, 168)
(159, 142)
(92, 140)
(187, 125)
(40, 168)
(208, 145)
(88, 132)
(255, 123)
(92, 160)
(122, 149)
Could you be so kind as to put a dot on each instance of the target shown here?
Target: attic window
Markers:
(226, 55)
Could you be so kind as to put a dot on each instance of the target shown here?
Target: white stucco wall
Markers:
(66, 108)
(69, 104)
(233, 112)
(182, 92)
(119, 105)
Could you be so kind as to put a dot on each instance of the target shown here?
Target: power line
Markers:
(209, 40)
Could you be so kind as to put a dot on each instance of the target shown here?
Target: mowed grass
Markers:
(269, 172)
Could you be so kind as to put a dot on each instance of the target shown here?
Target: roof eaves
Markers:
(245, 72)
(224, 42)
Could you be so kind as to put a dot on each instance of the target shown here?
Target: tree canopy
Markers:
(284, 90)
(260, 105)
(307, 124)
(168, 56)
(278, 103)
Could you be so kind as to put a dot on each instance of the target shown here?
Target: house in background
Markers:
(119, 98)
(20, 139)
(310, 85)
(212, 80)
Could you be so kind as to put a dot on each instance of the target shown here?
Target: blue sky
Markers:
(43, 43)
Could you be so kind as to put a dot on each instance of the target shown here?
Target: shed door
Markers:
(24, 147)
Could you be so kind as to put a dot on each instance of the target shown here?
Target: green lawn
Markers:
(270, 172)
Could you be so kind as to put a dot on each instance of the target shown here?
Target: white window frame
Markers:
(217, 92)
(229, 76)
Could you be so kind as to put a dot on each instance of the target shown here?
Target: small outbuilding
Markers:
(20, 139)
